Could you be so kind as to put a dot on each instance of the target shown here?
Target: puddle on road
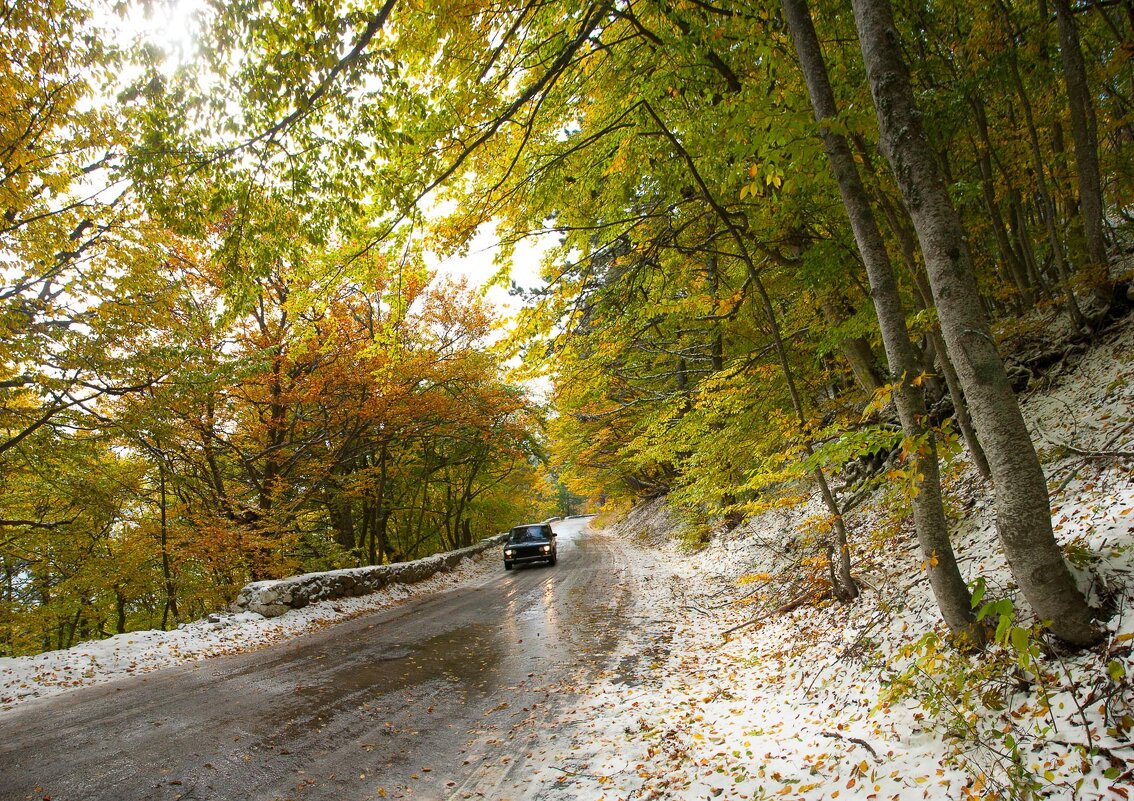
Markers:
(551, 636)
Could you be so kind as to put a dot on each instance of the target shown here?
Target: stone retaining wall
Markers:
(273, 598)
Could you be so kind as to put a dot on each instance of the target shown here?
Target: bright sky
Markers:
(478, 266)
(171, 24)
(168, 23)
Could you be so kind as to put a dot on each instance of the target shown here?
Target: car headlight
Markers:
(507, 553)
(546, 548)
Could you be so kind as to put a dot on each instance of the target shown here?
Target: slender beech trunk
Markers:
(1085, 137)
(842, 582)
(166, 568)
(857, 351)
(953, 384)
(961, 407)
(717, 345)
(9, 597)
(949, 588)
(382, 525)
(120, 611)
(383, 521)
(366, 526)
(1019, 223)
(923, 297)
(341, 512)
(275, 439)
(1012, 265)
(418, 537)
(378, 548)
(716, 355)
(1022, 503)
(71, 630)
(1047, 205)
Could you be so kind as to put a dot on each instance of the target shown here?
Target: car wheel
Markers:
(552, 560)
(507, 565)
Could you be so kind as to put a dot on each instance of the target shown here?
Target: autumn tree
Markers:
(216, 295)
(941, 565)
(1023, 508)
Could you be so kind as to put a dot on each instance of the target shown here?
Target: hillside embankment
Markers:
(748, 684)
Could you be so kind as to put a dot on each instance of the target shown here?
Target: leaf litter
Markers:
(801, 705)
(795, 705)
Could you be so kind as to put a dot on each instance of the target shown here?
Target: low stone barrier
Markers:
(273, 598)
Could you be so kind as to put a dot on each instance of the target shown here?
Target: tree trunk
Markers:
(961, 407)
(842, 582)
(923, 298)
(120, 610)
(948, 587)
(275, 439)
(1023, 507)
(843, 585)
(9, 597)
(378, 546)
(1012, 265)
(166, 568)
(1019, 224)
(717, 344)
(1046, 203)
(857, 351)
(341, 512)
(1085, 137)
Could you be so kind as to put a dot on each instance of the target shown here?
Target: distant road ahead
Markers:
(435, 699)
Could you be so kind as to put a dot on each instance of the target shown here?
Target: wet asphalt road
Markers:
(438, 698)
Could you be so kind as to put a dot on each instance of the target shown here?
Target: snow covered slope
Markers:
(793, 704)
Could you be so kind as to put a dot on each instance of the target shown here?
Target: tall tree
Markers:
(1022, 505)
(1085, 138)
(929, 514)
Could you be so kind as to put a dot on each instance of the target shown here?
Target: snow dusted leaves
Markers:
(791, 707)
(794, 706)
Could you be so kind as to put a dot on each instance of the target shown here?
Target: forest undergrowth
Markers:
(756, 685)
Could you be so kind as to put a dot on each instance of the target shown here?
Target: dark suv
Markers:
(532, 542)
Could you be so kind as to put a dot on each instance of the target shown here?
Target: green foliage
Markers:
(975, 698)
(242, 330)
(958, 692)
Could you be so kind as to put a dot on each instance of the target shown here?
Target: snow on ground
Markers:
(27, 677)
(793, 704)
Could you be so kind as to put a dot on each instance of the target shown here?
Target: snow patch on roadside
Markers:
(790, 704)
(29, 677)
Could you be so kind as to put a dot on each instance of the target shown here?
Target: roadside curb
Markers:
(274, 598)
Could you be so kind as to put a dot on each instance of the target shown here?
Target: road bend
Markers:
(438, 698)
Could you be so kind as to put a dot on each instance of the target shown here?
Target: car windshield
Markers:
(529, 534)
